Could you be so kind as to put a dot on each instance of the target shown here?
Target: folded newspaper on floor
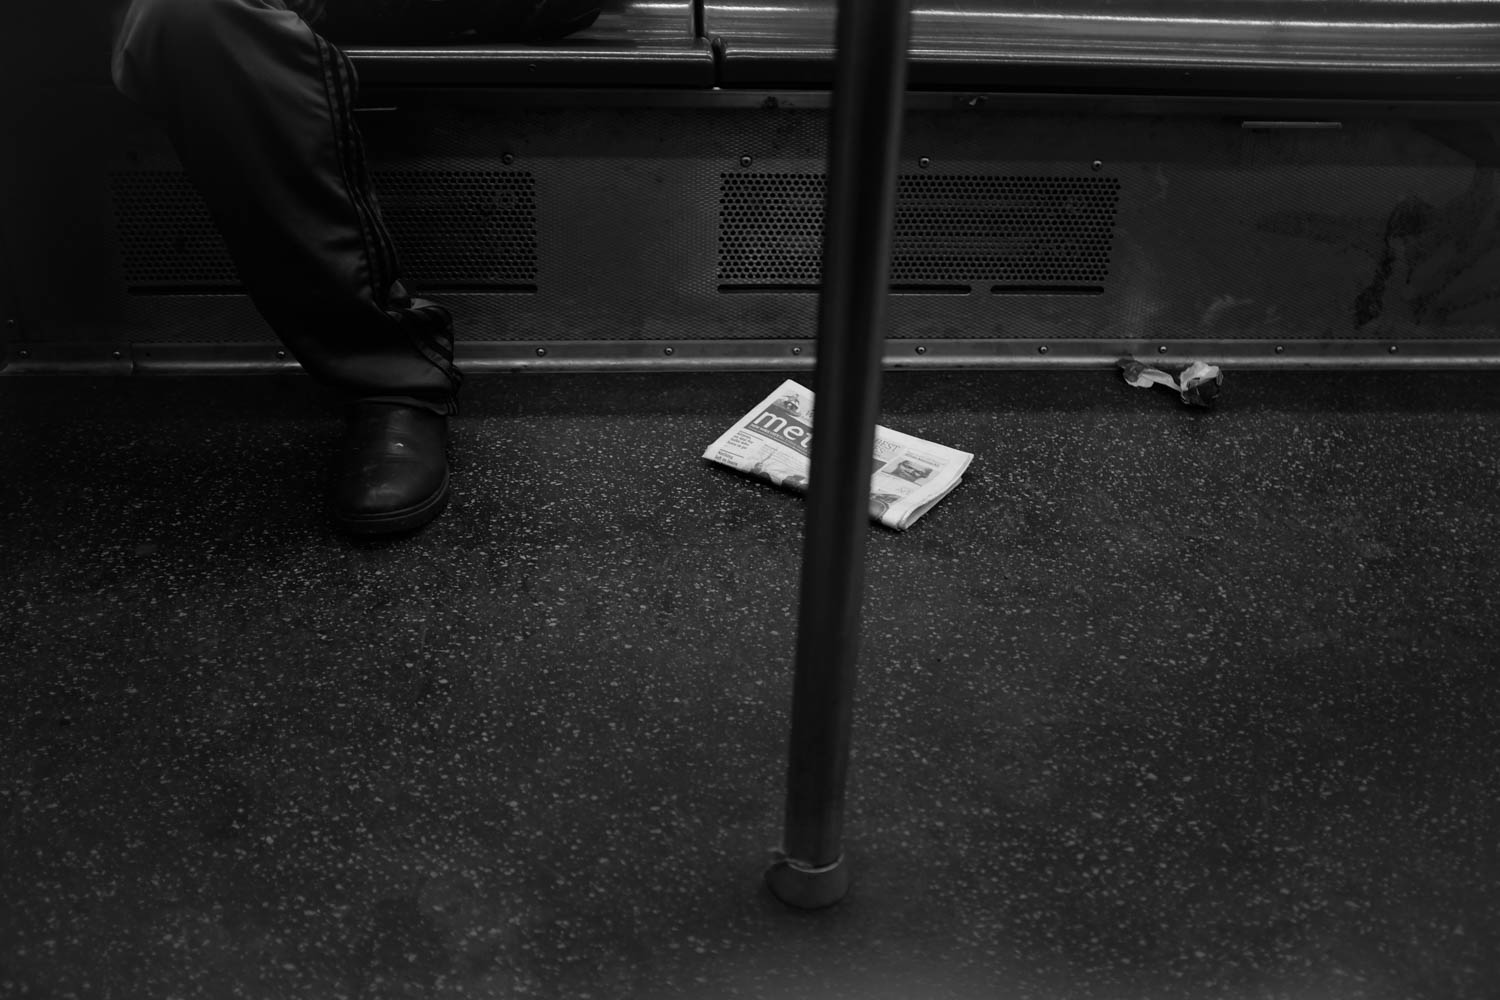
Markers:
(773, 441)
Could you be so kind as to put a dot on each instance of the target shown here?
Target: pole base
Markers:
(795, 884)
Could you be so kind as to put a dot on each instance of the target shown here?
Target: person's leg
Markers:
(260, 109)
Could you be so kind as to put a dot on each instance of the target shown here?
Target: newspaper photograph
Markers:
(774, 441)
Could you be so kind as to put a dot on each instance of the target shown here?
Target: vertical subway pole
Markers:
(864, 142)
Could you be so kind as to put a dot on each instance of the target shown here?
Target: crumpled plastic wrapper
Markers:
(1196, 385)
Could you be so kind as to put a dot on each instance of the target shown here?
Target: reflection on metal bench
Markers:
(634, 43)
(1362, 49)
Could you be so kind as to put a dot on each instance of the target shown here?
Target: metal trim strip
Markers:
(786, 355)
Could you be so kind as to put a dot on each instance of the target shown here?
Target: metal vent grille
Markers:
(1014, 233)
(167, 238)
(464, 230)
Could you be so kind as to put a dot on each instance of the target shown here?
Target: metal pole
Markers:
(864, 142)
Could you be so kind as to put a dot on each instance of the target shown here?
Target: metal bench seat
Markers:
(1335, 49)
(634, 43)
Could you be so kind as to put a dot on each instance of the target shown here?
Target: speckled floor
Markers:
(1158, 704)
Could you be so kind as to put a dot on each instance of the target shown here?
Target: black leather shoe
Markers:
(393, 470)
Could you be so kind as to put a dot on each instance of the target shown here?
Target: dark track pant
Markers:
(260, 109)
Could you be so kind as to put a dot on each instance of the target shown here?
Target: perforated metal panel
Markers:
(463, 228)
(1221, 234)
(459, 229)
(1013, 233)
(167, 238)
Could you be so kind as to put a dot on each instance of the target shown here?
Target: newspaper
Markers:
(774, 441)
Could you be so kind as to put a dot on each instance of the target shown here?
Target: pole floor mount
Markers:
(805, 887)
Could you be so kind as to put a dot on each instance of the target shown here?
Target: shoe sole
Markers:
(397, 521)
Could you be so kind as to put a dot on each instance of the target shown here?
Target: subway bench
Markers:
(1253, 186)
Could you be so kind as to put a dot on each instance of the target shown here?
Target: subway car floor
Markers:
(1159, 703)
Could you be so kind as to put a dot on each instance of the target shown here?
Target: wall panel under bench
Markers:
(654, 231)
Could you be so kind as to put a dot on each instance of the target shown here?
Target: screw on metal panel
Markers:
(508, 159)
(796, 350)
(541, 352)
(281, 355)
(1280, 349)
(745, 161)
(925, 162)
(1098, 165)
(1162, 349)
(921, 350)
(10, 322)
(25, 354)
(1393, 348)
(116, 355)
(1042, 350)
(669, 351)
